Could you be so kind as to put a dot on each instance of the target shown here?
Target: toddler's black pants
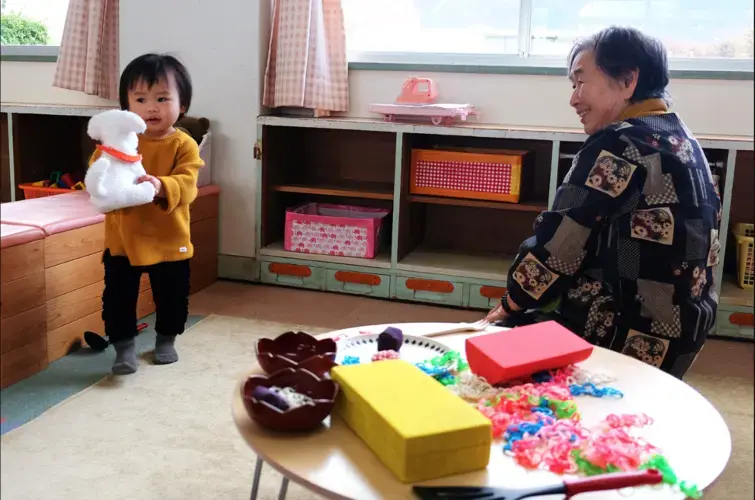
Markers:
(170, 291)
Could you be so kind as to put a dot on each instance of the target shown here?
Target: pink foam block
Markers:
(522, 351)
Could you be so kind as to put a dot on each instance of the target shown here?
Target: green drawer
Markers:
(299, 275)
(485, 296)
(358, 282)
(429, 290)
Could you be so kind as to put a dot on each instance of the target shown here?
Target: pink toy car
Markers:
(439, 114)
(417, 99)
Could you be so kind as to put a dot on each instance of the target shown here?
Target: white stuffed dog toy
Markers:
(111, 180)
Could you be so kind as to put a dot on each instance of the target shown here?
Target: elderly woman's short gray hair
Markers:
(618, 51)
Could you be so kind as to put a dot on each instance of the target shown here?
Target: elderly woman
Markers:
(626, 256)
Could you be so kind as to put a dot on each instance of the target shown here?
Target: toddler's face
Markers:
(159, 106)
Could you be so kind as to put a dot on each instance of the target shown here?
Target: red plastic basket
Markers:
(31, 191)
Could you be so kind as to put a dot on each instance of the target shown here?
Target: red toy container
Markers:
(341, 230)
(31, 191)
(520, 352)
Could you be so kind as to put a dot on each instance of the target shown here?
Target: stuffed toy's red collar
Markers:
(119, 154)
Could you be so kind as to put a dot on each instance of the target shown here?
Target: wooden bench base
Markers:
(23, 327)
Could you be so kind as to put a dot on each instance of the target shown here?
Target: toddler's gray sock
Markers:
(165, 350)
(125, 357)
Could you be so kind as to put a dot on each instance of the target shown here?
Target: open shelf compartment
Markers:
(460, 241)
(535, 174)
(469, 238)
(351, 163)
(741, 210)
(42, 145)
(338, 167)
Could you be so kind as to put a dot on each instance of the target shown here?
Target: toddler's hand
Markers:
(154, 181)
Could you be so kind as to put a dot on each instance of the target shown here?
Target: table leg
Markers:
(256, 480)
(284, 489)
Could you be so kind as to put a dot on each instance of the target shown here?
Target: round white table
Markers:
(335, 463)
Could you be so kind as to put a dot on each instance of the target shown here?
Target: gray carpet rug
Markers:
(166, 432)
(163, 433)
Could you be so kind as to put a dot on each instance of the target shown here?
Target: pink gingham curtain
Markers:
(306, 62)
(88, 56)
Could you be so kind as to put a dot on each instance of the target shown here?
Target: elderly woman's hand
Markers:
(496, 314)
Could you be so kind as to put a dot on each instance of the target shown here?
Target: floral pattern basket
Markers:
(339, 230)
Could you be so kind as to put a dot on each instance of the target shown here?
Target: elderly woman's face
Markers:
(598, 99)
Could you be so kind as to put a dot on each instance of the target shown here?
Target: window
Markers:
(32, 27)
(699, 34)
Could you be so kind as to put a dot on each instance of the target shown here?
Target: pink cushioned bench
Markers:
(13, 235)
(52, 214)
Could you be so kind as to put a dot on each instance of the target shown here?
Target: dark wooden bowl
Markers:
(320, 365)
(290, 349)
(303, 418)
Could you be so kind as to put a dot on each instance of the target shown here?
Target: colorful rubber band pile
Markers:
(540, 426)
(539, 423)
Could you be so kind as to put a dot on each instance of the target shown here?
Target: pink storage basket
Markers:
(342, 230)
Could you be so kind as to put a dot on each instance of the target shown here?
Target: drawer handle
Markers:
(420, 285)
(357, 278)
(290, 270)
(492, 292)
(742, 319)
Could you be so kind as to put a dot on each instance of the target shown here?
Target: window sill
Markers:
(49, 54)
(689, 74)
(29, 53)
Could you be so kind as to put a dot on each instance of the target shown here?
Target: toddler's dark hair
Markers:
(150, 68)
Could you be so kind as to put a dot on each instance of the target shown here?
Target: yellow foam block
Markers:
(417, 427)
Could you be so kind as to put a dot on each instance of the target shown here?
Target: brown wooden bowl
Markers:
(303, 418)
(290, 349)
(320, 365)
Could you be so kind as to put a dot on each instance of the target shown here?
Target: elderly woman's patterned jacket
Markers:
(630, 245)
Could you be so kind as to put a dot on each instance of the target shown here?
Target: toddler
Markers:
(153, 238)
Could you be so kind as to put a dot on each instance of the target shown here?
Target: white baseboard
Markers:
(238, 268)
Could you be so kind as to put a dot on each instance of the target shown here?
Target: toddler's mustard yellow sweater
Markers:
(159, 231)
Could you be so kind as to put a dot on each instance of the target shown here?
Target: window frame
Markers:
(525, 63)
(29, 53)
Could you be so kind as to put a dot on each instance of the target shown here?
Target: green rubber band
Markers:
(690, 490)
(566, 409)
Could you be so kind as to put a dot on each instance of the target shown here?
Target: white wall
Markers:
(221, 48)
(25, 82)
(707, 106)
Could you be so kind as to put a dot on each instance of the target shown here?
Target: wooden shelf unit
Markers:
(440, 250)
